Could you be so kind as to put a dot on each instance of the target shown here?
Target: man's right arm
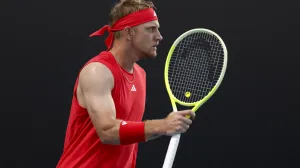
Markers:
(94, 93)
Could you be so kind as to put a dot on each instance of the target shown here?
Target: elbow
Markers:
(106, 137)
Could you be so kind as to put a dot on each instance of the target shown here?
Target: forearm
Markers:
(154, 129)
(131, 132)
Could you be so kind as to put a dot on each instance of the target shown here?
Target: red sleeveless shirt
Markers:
(82, 146)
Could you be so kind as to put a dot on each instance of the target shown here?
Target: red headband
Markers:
(131, 20)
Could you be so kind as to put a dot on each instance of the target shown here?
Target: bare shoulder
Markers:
(95, 76)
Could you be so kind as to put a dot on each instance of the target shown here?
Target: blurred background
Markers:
(251, 122)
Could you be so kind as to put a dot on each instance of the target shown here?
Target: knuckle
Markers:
(179, 123)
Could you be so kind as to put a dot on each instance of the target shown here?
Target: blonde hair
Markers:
(126, 7)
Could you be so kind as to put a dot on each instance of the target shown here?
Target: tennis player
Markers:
(105, 123)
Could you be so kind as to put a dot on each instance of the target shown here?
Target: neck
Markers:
(124, 56)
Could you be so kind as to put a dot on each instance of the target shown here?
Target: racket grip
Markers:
(172, 149)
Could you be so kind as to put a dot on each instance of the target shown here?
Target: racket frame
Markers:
(173, 145)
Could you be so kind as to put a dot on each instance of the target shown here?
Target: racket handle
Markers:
(173, 145)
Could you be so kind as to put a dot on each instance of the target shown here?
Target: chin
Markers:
(151, 54)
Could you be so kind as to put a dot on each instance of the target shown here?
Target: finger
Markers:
(192, 114)
(184, 112)
(188, 114)
(185, 127)
(180, 130)
(186, 120)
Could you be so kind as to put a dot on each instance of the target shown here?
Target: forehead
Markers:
(153, 23)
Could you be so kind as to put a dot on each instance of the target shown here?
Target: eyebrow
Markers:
(157, 26)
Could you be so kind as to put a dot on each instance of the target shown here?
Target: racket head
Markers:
(187, 82)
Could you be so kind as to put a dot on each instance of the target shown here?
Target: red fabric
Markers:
(82, 147)
(131, 20)
(132, 132)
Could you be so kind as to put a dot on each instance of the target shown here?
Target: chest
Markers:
(130, 98)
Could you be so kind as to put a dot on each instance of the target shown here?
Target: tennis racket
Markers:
(194, 69)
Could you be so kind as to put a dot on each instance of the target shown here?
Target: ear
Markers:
(128, 32)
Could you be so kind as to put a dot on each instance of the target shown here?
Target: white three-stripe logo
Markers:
(133, 88)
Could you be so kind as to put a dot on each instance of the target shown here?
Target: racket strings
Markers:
(195, 66)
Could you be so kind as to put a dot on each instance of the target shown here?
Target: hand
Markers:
(177, 122)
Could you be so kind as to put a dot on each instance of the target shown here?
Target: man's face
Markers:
(146, 38)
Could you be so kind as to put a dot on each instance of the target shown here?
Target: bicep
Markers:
(96, 82)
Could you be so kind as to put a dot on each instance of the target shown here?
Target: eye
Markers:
(151, 29)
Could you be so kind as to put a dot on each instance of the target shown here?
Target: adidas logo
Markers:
(133, 89)
(154, 14)
(124, 122)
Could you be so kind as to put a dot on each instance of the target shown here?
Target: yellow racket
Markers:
(194, 69)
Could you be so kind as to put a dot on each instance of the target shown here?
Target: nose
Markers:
(159, 36)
